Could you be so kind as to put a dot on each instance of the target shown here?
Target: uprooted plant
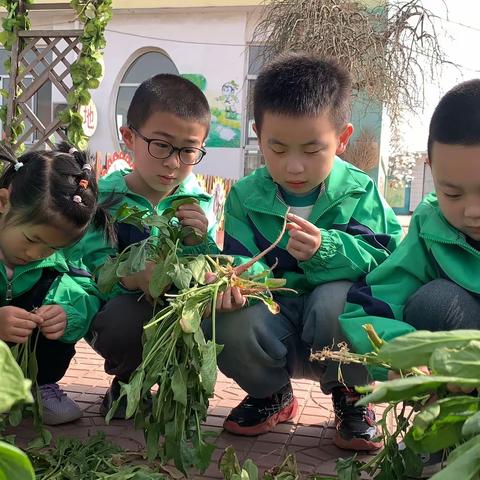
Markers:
(445, 421)
(178, 362)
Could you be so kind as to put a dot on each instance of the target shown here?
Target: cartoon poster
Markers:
(225, 105)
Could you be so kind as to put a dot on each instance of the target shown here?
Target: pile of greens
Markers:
(445, 420)
(178, 363)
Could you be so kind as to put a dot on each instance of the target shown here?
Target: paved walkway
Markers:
(308, 435)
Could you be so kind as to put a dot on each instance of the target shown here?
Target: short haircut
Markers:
(303, 84)
(171, 94)
(456, 119)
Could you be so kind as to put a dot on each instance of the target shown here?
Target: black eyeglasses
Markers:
(162, 149)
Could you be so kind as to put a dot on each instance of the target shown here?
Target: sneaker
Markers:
(110, 397)
(254, 416)
(57, 407)
(356, 427)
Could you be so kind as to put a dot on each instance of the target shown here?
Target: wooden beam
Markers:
(50, 33)
(50, 6)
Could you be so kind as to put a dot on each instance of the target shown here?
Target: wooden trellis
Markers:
(39, 57)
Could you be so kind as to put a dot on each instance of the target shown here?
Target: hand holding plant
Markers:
(305, 238)
(17, 324)
(191, 215)
(54, 321)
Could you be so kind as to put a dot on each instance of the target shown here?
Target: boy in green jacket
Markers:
(167, 124)
(431, 282)
(339, 229)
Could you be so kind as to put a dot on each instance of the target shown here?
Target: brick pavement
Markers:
(309, 435)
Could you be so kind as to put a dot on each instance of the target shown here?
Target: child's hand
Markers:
(16, 324)
(54, 321)
(140, 280)
(192, 215)
(305, 238)
(228, 301)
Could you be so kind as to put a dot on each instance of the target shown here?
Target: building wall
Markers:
(208, 44)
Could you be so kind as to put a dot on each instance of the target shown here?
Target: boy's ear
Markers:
(344, 138)
(128, 137)
(254, 127)
(4, 200)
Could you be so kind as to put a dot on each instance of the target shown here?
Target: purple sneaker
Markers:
(57, 407)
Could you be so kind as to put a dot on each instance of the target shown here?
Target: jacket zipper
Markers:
(9, 293)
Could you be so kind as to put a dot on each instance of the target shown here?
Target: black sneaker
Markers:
(356, 427)
(254, 416)
(110, 397)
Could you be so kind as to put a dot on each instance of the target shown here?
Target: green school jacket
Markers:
(432, 249)
(77, 295)
(94, 248)
(359, 231)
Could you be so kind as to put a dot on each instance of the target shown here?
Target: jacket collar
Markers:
(265, 196)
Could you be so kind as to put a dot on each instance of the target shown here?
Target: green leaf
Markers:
(208, 371)
(471, 426)
(439, 425)
(135, 261)
(463, 362)
(183, 201)
(107, 275)
(199, 266)
(14, 464)
(181, 276)
(347, 469)
(228, 464)
(410, 387)
(160, 279)
(190, 318)
(463, 463)
(133, 391)
(179, 385)
(415, 349)
(14, 387)
(251, 469)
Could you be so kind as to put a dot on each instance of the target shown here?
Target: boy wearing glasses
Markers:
(167, 123)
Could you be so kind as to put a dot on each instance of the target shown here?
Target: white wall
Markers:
(209, 42)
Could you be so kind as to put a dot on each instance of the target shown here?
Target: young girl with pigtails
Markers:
(47, 201)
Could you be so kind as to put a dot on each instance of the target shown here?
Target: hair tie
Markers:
(17, 166)
(77, 199)
(83, 184)
(72, 151)
(87, 166)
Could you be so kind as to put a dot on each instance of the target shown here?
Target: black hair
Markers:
(53, 187)
(303, 84)
(456, 119)
(171, 94)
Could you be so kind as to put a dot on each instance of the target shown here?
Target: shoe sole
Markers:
(265, 427)
(357, 444)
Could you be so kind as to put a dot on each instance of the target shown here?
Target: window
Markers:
(143, 67)
(253, 158)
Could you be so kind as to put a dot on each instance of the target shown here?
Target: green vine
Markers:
(87, 71)
(15, 20)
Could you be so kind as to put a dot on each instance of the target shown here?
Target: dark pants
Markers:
(116, 334)
(442, 305)
(263, 351)
(53, 359)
